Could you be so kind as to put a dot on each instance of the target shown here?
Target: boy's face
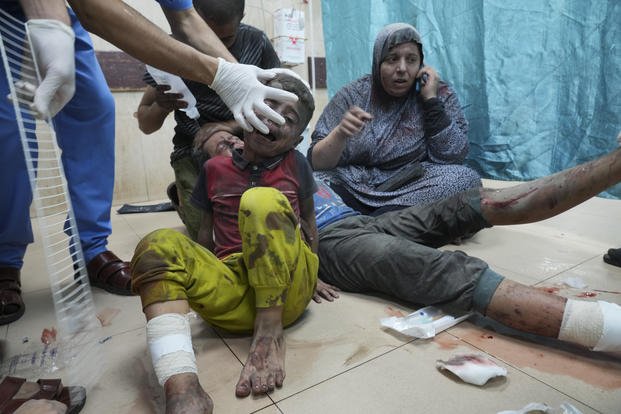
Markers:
(281, 138)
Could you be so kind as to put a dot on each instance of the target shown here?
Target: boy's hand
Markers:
(53, 50)
(169, 101)
(326, 291)
(240, 87)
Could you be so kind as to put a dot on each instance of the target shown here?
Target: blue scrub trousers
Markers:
(85, 134)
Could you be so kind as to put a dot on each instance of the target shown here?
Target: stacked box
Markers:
(290, 50)
(289, 23)
(289, 36)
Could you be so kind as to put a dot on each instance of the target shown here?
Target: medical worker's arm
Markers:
(189, 27)
(52, 41)
(239, 86)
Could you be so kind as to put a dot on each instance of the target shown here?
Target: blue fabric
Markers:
(85, 133)
(329, 207)
(538, 80)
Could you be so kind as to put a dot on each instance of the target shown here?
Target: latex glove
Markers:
(53, 48)
(240, 87)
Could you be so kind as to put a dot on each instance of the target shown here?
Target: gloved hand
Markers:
(240, 87)
(53, 49)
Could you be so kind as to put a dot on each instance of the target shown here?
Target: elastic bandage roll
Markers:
(170, 342)
(596, 325)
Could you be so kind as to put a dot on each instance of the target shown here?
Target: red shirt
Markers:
(223, 180)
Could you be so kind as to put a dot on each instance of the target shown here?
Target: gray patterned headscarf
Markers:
(391, 35)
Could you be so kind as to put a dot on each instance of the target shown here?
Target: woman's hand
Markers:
(428, 83)
(326, 291)
(352, 122)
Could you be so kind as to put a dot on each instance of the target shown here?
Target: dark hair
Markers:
(220, 11)
(306, 103)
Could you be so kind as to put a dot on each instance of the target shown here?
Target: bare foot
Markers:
(184, 395)
(265, 366)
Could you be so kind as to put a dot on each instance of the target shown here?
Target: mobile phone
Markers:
(420, 82)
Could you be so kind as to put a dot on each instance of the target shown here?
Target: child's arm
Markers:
(205, 231)
(308, 223)
(309, 228)
(155, 106)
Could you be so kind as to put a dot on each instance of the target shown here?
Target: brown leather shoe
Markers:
(11, 303)
(110, 273)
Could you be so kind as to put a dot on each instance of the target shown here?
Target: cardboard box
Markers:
(290, 50)
(289, 22)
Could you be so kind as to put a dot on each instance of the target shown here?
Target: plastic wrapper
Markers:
(424, 323)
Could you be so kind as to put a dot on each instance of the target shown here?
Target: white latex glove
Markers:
(53, 49)
(240, 87)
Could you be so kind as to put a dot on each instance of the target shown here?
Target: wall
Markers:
(142, 170)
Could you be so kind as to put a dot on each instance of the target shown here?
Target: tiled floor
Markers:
(339, 360)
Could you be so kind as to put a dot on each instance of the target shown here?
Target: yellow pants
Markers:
(275, 267)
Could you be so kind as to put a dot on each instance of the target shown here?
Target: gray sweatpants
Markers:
(396, 254)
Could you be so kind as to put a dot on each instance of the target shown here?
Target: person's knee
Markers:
(260, 197)
(160, 238)
(152, 252)
(484, 290)
(469, 177)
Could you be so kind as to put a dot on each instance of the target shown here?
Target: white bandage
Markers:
(596, 325)
(611, 338)
(583, 323)
(170, 342)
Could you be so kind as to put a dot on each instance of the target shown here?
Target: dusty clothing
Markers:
(223, 180)
(403, 130)
(275, 267)
(186, 174)
(396, 253)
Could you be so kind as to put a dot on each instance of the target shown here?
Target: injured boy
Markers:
(254, 269)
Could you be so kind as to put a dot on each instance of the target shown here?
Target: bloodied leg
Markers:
(596, 325)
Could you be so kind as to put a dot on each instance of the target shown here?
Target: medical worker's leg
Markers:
(15, 228)
(85, 132)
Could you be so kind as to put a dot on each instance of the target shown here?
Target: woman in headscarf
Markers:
(378, 131)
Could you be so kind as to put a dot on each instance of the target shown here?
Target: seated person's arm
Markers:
(444, 122)
(190, 28)
(310, 234)
(327, 152)
(205, 232)
(308, 223)
(155, 106)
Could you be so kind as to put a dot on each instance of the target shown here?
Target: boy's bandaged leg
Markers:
(596, 325)
(170, 343)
